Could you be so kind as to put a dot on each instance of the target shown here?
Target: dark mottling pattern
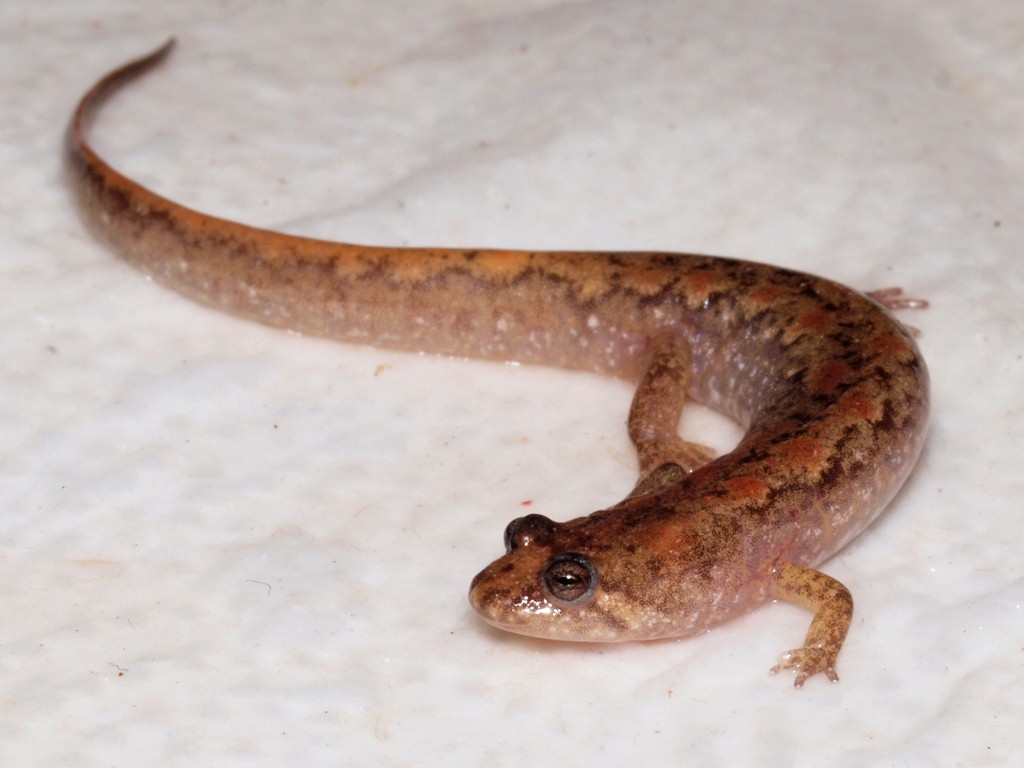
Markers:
(831, 389)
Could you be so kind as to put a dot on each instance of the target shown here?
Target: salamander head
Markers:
(584, 580)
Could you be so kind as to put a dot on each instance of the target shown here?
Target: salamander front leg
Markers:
(654, 418)
(832, 605)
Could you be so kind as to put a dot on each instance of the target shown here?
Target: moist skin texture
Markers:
(831, 390)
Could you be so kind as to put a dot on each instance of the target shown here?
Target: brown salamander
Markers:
(831, 390)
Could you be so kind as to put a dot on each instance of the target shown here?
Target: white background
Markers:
(224, 545)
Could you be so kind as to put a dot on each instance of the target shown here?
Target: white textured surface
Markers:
(224, 545)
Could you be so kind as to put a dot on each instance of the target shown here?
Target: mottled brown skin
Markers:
(831, 389)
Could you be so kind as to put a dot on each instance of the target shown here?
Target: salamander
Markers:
(830, 388)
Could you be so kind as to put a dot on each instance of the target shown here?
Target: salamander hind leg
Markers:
(832, 605)
(893, 298)
(654, 418)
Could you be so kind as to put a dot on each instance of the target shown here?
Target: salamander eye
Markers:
(570, 577)
(523, 531)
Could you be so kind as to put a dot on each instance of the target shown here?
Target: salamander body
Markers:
(830, 388)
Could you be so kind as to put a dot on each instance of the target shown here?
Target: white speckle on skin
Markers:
(593, 322)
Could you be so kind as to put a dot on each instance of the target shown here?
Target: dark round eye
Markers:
(524, 530)
(570, 577)
(510, 534)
